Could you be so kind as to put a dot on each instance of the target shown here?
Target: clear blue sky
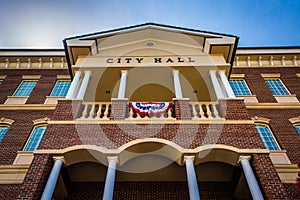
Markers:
(44, 23)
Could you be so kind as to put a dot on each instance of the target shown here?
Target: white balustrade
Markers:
(96, 110)
(202, 110)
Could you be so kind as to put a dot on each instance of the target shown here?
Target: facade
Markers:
(149, 112)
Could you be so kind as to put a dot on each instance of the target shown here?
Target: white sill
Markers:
(16, 99)
(286, 98)
(53, 99)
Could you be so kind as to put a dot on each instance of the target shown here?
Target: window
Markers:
(35, 138)
(277, 87)
(25, 88)
(0, 82)
(239, 87)
(297, 127)
(3, 130)
(61, 88)
(267, 137)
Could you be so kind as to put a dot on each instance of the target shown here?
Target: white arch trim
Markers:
(154, 146)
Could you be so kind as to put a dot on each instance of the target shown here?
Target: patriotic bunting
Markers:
(150, 108)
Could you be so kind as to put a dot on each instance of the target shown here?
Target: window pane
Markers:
(298, 129)
(35, 139)
(276, 87)
(3, 131)
(25, 88)
(61, 88)
(267, 137)
(239, 87)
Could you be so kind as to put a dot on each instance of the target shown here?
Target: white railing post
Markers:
(52, 179)
(226, 84)
(84, 85)
(192, 179)
(216, 84)
(110, 178)
(250, 177)
(122, 87)
(177, 85)
(74, 86)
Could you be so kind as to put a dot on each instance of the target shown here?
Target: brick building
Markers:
(149, 112)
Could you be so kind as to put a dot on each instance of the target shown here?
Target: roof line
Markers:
(146, 24)
(24, 49)
(269, 47)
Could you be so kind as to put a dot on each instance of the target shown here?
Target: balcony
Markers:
(103, 111)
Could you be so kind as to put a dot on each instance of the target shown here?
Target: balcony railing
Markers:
(96, 110)
(202, 110)
(102, 111)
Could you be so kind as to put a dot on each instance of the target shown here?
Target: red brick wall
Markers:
(283, 129)
(17, 135)
(151, 190)
(182, 109)
(36, 177)
(233, 109)
(242, 136)
(269, 181)
(9, 191)
(258, 86)
(118, 109)
(67, 109)
(43, 88)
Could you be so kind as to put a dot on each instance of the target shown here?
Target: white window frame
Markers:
(241, 79)
(278, 78)
(6, 126)
(55, 86)
(271, 132)
(20, 86)
(32, 132)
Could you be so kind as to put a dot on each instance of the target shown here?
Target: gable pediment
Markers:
(150, 40)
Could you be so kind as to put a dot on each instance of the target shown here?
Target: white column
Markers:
(177, 85)
(84, 84)
(74, 86)
(122, 87)
(191, 176)
(51, 183)
(216, 84)
(226, 84)
(110, 178)
(251, 180)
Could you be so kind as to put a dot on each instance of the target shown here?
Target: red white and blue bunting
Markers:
(150, 108)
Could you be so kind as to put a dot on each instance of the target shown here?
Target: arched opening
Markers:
(152, 167)
(219, 180)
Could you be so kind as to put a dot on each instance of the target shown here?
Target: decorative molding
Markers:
(295, 120)
(6, 121)
(2, 77)
(31, 77)
(63, 77)
(151, 121)
(261, 120)
(270, 75)
(13, 174)
(233, 76)
(27, 107)
(272, 105)
(40, 121)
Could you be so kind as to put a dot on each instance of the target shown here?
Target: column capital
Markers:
(114, 158)
(189, 158)
(241, 158)
(61, 158)
(175, 71)
(87, 72)
(123, 71)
